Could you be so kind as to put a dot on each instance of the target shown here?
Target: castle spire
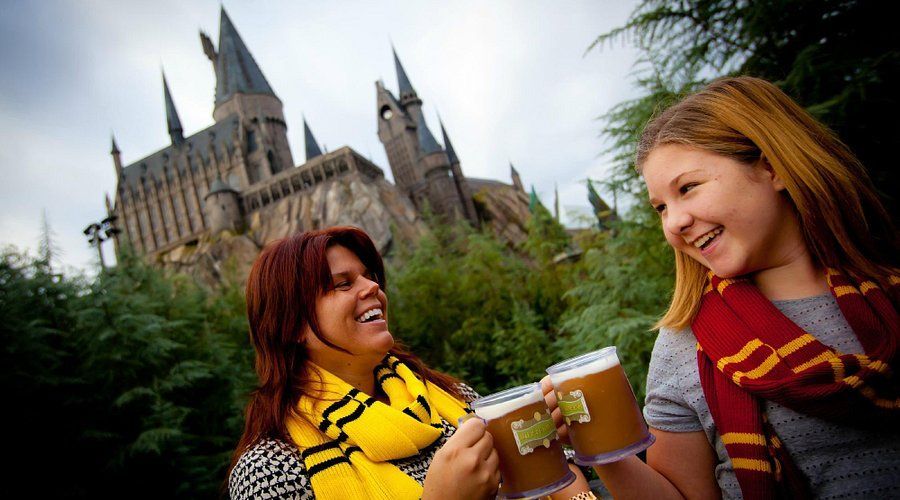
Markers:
(117, 156)
(236, 70)
(405, 88)
(312, 147)
(451, 154)
(176, 133)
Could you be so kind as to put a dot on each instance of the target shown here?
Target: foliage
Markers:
(624, 288)
(134, 382)
(473, 307)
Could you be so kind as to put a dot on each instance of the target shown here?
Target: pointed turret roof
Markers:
(236, 70)
(115, 147)
(312, 147)
(451, 154)
(172, 121)
(402, 80)
(427, 143)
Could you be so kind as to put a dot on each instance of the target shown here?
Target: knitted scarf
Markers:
(748, 351)
(348, 438)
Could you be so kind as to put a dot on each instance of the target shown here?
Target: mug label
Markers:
(538, 431)
(573, 407)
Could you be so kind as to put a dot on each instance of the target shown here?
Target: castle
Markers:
(229, 176)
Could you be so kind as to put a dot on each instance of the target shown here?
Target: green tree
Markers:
(472, 306)
(133, 383)
(624, 286)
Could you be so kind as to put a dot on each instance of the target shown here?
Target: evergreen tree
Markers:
(134, 383)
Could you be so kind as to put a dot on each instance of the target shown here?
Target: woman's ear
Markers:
(771, 174)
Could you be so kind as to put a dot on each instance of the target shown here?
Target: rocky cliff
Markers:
(375, 206)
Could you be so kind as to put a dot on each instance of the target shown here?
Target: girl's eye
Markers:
(687, 187)
(343, 285)
(659, 208)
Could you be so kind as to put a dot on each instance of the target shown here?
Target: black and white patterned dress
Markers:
(274, 469)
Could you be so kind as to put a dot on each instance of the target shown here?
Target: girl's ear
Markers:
(777, 182)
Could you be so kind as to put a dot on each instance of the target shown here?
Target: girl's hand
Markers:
(550, 399)
(467, 466)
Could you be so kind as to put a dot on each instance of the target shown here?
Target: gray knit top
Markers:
(839, 461)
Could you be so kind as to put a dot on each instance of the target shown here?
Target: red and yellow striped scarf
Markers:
(748, 351)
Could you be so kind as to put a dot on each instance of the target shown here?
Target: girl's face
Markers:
(729, 216)
(352, 314)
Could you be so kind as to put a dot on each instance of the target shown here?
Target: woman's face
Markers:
(352, 314)
(728, 216)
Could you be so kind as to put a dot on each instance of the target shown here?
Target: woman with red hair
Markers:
(340, 411)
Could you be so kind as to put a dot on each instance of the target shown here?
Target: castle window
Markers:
(265, 198)
(295, 183)
(251, 141)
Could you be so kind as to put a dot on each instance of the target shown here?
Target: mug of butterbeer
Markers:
(599, 408)
(532, 462)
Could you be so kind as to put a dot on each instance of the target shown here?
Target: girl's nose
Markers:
(677, 221)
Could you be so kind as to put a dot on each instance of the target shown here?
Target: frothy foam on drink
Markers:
(497, 410)
(595, 366)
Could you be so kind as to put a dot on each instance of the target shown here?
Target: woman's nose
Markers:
(369, 287)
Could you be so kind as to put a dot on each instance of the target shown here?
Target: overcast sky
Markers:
(510, 79)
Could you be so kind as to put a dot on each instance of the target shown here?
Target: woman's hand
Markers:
(466, 466)
(550, 399)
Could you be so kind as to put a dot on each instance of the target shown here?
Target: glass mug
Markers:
(599, 408)
(532, 462)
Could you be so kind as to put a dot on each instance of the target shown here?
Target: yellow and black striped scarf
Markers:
(748, 351)
(347, 438)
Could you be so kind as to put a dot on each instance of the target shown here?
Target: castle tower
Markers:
(222, 209)
(242, 90)
(420, 165)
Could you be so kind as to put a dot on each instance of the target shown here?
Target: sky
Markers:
(511, 80)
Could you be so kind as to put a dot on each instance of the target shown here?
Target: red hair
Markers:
(286, 280)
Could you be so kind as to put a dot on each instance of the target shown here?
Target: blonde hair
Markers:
(747, 119)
